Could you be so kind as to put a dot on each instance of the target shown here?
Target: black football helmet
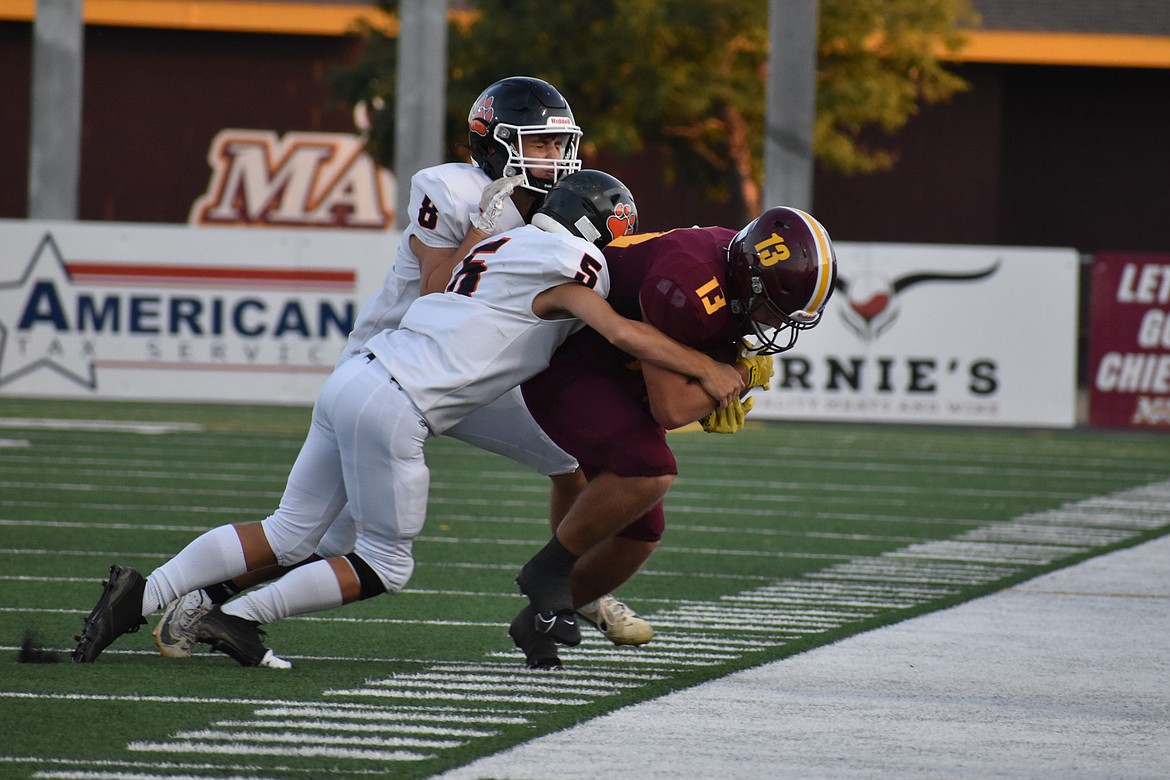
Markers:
(781, 270)
(510, 110)
(590, 204)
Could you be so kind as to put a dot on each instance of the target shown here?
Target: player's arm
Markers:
(645, 342)
(675, 399)
(437, 264)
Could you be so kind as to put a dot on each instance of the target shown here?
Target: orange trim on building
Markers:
(254, 16)
(1050, 48)
(308, 18)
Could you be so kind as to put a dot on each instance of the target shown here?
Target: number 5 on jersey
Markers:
(466, 279)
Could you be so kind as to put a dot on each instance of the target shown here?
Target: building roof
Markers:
(1099, 17)
(1102, 33)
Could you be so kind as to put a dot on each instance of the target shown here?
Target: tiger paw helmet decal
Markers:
(622, 221)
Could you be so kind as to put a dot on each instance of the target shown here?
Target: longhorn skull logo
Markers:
(873, 299)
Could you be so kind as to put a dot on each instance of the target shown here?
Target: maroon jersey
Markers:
(591, 400)
(678, 280)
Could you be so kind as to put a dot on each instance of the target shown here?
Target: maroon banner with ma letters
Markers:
(1129, 341)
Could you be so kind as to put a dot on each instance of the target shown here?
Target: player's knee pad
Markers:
(371, 584)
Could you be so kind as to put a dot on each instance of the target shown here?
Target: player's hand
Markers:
(728, 420)
(491, 203)
(759, 370)
(723, 383)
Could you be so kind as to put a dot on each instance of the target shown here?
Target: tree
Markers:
(687, 76)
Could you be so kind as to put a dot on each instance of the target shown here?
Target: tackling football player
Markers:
(523, 139)
(707, 288)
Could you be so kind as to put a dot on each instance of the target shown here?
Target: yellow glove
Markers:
(759, 370)
(729, 419)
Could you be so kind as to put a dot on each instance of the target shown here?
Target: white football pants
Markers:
(504, 427)
(364, 447)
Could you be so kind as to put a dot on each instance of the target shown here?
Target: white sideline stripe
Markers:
(168, 490)
(372, 714)
(238, 749)
(530, 687)
(83, 774)
(155, 699)
(381, 621)
(881, 460)
(627, 659)
(413, 695)
(987, 552)
(276, 470)
(119, 471)
(691, 642)
(315, 740)
(779, 616)
(14, 443)
(103, 526)
(211, 658)
(1040, 533)
(339, 725)
(96, 425)
(510, 678)
(28, 578)
(511, 669)
(125, 768)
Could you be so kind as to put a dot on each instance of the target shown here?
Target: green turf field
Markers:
(780, 538)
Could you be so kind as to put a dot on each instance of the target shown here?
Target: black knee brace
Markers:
(371, 583)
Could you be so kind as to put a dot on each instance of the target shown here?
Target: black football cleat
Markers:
(118, 611)
(540, 650)
(561, 626)
(238, 638)
(551, 601)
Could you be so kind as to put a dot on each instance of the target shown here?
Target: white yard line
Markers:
(31, 423)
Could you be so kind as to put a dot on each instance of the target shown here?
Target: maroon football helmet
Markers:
(781, 269)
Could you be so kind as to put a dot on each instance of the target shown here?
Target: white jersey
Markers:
(460, 350)
(443, 198)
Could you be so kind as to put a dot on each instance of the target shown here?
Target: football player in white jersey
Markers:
(509, 305)
(523, 139)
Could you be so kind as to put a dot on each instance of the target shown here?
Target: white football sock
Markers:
(309, 588)
(213, 557)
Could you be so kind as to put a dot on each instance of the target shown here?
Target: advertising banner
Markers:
(121, 311)
(1129, 341)
(913, 333)
(966, 335)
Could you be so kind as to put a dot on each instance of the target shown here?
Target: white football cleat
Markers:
(175, 632)
(620, 624)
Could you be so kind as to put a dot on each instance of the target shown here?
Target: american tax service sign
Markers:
(1129, 341)
(937, 334)
(130, 311)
